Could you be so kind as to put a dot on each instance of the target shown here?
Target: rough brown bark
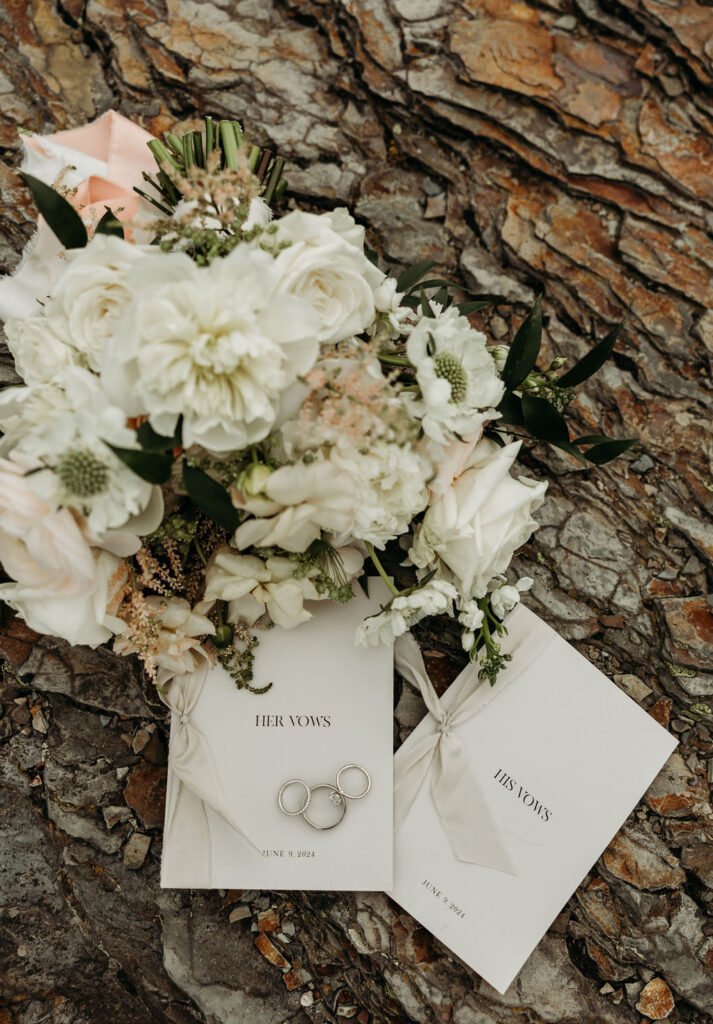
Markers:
(564, 144)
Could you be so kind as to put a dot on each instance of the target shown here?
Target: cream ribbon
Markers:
(457, 793)
(187, 849)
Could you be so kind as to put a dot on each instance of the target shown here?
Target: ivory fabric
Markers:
(441, 757)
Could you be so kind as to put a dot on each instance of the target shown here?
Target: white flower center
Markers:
(450, 368)
(82, 473)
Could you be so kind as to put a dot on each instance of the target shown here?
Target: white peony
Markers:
(388, 487)
(477, 524)
(456, 374)
(63, 427)
(61, 586)
(295, 504)
(433, 598)
(253, 587)
(325, 265)
(178, 646)
(218, 345)
(91, 294)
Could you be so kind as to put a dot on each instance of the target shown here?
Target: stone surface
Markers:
(560, 145)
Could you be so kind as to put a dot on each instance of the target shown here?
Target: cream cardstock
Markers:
(331, 704)
(558, 757)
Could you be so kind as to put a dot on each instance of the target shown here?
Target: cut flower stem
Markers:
(380, 569)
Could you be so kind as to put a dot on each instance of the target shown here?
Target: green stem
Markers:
(390, 360)
(380, 569)
(199, 551)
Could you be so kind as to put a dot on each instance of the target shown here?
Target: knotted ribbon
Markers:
(438, 753)
(195, 783)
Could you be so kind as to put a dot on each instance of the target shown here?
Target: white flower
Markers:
(61, 585)
(324, 267)
(259, 214)
(470, 615)
(40, 347)
(504, 596)
(178, 646)
(295, 505)
(252, 587)
(91, 294)
(392, 317)
(63, 427)
(456, 374)
(433, 598)
(477, 524)
(388, 484)
(218, 345)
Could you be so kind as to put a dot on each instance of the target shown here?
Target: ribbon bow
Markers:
(457, 794)
(195, 783)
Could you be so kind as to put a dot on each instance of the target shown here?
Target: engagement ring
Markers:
(337, 796)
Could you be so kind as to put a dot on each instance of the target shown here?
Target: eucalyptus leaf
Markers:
(154, 467)
(210, 497)
(525, 347)
(60, 215)
(412, 275)
(590, 363)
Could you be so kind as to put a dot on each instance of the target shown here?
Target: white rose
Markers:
(297, 503)
(219, 345)
(327, 270)
(253, 587)
(91, 294)
(61, 585)
(477, 524)
(40, 347)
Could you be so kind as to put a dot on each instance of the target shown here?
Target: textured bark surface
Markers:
(567, 144)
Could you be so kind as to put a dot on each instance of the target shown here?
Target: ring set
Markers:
(337, 796)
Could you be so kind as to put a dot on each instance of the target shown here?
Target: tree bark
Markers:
(564, 146)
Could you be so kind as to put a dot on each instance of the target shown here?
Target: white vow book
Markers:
(528, 781)
(331, 704)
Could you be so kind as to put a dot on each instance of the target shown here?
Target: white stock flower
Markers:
(504, 596)
(476, 525)
(63, 427)
(456, 374)
(295, 505)
(218, 345)
(433, 598)
(388, 483)
(91, 294)
(61, 586)
(324, 266)
(179, 643)
(253, 587)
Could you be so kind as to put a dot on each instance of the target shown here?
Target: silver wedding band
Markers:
(338, 796)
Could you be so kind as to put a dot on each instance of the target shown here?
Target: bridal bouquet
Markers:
(226, 416)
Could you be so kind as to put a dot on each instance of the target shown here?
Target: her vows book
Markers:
(505, 796)
(330, 705)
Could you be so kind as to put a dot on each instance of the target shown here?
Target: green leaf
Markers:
(60, 215)
(590, 439)
(441, 297)
(437, 282)
(208, 495)
(525, 347)
(426, 307)
(465, 308)
(608, 450)
(109, 225)
(372, 255)
(511, 409)
(544, 421)
(590, 363)
(413, 275)
(150, 441)
(155, 467)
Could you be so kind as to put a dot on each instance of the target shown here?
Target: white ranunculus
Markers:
(323, 266)
(295, 505)
(455, 371)
(253, 587)
(40, 347)
(91, 294)
(178, 646)
(61, 586)
(388, 487)
(64, 427)
(433, 598)
(219, 345)
(479, 522)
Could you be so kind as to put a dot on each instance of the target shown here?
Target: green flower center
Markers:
(82, 473)
(451, 369)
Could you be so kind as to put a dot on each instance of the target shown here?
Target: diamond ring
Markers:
(337, 797)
